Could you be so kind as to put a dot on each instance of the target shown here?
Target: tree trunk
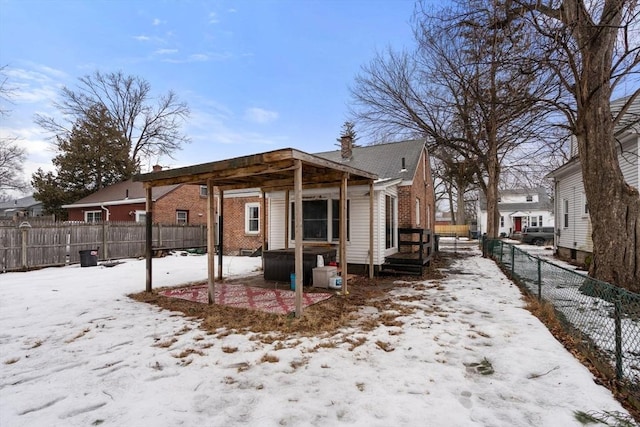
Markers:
(493, 214)
(460, 213)
(614, 206)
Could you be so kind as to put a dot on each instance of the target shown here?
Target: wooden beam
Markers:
(263, 224)
(297, 185)
(220, 233)
(371, 237)
(286, 219)
(343, 233)
(211, 240)
(149, 238)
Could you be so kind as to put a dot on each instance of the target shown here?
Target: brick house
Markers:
(125, 201)
(243, 223)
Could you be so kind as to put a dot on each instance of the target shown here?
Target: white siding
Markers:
(358, 244)
(570, 187)
(578, 234)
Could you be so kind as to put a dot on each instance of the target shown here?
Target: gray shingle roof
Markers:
(24, 202)
(384, 160)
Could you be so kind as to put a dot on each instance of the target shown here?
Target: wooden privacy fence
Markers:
(27, 246)
(452, 230)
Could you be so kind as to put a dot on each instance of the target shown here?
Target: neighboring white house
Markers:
(518, 208)
(403, 198)
(573, 231)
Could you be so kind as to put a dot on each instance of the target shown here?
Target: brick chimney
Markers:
(157, 168)
(346, 147)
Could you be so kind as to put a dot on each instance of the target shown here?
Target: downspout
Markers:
(107, 212)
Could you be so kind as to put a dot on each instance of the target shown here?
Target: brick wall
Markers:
(421, 189)
(235, 236)
(184, 197)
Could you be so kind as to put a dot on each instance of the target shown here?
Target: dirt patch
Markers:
(325, 317)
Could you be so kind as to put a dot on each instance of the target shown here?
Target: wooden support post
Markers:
(149, 237)
(220, 234)
(371, 237)
(263, 224)
(343, 233)
(286, 219)
(211, 241)
(299, 271)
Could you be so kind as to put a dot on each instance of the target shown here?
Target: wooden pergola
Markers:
(285, 169)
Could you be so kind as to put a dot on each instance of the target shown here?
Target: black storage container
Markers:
(280, 263)
(89, 258)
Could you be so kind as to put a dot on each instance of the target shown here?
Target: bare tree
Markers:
(463, 88)
(592, 48)
(152, 129)
(12, 156)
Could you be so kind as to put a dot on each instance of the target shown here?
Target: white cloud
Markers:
(260, 115)
(213, 18)
(166, 51)
(198, 57)
(142, 38)
(157, 21)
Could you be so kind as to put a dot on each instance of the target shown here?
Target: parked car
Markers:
(537, 235)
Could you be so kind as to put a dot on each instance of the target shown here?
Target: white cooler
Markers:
(321, 276)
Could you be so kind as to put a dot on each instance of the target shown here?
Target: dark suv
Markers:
(537, 235)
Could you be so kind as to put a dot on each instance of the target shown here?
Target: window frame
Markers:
(203, 191)
(141, 216)
(331, 232)
(248, 219)
(186, 219)
(565, 213)
(93, 215)
(390, 221)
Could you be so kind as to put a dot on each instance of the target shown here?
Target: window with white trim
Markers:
(252, 218)
(141, 216)
(529, 198)
(390, 222)
(501, 222)
(320, 219)
(417, 211)
(203, 191)
(93, 216)
(182, 217)
(565, 212)
(533, 221)
(540, 220)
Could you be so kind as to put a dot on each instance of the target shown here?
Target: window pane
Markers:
(253, 219)
(389, 231)
(314, 220)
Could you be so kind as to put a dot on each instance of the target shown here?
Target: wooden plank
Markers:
(299, 272)
(211, 240)
(149, 239)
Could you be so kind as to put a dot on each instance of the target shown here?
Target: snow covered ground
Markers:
(75, 351)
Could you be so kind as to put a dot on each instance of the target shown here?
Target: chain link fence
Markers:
(602, 318)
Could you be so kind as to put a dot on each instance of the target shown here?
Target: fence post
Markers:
(159, 235)
(539, 280)
(24, 228)
(617, 318)
(513, 260)
(501, 249)
(105, 240)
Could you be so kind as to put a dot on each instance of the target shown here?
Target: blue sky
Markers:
(257, 75)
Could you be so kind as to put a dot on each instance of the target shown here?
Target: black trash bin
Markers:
(89, 258)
